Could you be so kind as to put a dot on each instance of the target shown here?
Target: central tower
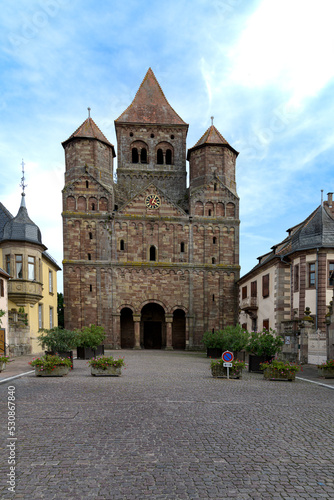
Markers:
(151, 144)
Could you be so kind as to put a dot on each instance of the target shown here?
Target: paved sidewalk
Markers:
(166, 430)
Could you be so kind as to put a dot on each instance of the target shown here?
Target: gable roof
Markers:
(150, 105)
(151, 187)
(89, 130)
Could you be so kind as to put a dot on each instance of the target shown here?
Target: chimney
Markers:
(330, 199)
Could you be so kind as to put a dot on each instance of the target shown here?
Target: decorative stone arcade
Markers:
(152, 328)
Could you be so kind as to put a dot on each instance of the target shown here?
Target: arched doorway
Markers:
(127, 329)
(153, 326)
(179, 329)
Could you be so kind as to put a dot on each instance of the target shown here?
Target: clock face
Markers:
(152, 201)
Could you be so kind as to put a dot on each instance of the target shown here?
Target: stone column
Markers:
(136, 321)
(169, 336)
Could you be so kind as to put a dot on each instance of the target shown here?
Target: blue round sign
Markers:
(227, 356)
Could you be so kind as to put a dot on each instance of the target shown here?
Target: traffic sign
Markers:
(227, 365)
(227, 356)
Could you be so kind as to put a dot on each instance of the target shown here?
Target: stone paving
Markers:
(166, 429)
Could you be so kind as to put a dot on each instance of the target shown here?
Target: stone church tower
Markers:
(154, 262)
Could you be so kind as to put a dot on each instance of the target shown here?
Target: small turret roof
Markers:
(150, 105)
(211, 137)
(21, 227)
(89, 130)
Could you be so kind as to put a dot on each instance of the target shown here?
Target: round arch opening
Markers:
(153, 326)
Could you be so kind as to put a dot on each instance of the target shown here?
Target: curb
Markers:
(314, 382)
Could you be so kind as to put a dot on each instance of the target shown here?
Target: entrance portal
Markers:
(153, 332)
(152, 335)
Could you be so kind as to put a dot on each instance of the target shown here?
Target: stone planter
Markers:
(214, 352)
(89, 353)
(58, 371)
(110, 371)
(326, 372)
(2, 366)
(220, 371)
(272, 374)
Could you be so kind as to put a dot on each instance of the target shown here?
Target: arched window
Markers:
(214, 240)
(160, 157)
(122, 246)
(209, 212)
(143, 155)
(182, 246)
(152, 253)
(87, 184)
(90, 236)
(93, 206)
(135, 157)
(213, 260)
(168, 157)
(89, 256)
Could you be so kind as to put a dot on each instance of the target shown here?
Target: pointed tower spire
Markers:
(150, 105)
(23, 185)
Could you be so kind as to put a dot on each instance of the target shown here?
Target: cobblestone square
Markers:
(166, 429)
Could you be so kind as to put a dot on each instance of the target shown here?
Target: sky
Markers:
(263, 68)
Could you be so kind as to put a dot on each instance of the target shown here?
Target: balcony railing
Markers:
(250, 303)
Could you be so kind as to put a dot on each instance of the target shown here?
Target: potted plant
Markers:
(326, 369)
(218, 370)
(90, 342)
(106, 366)
(279, 370)
(51, 366)
(3, 362)
(58, 341)
(231, 338)
(262, 346)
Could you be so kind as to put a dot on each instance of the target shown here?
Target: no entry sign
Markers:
(227, 356)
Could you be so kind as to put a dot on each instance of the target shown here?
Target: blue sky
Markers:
(264, 70)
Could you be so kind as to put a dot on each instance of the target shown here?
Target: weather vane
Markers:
(88, 112)
(23, 186)
(212, 117)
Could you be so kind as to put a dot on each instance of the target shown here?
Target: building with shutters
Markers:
(151, 259)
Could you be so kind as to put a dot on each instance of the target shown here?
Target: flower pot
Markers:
(88, 352)
(272, 374)
(214, 352)
(58, 371)
(220, 371)
(326, 372)
(110, 371)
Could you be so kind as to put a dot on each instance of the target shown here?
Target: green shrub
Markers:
(264, 343)
(58, 339)
(231, 338)
(91, 336)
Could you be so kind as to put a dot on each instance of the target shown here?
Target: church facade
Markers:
(153, 261)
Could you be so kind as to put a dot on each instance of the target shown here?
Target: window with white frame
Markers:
(50, 282)
(51, 317)
(31, 268)
(40, 316)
